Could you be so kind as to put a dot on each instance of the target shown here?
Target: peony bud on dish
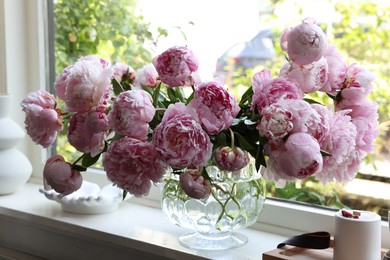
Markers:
(60, 176)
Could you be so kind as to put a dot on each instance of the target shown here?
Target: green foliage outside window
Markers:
(111, 29)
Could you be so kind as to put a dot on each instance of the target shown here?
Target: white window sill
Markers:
(37, 226)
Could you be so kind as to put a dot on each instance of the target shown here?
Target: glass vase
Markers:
(236, 202)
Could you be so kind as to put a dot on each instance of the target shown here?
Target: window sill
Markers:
(37, 226)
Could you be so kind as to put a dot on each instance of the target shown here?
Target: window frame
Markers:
(24, 42)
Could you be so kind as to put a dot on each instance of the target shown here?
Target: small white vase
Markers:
(15, 168)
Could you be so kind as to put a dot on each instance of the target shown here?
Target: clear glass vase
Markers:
(237, 200)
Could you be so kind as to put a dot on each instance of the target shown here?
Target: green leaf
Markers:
(260, 159)
(117, 87)
(311, 101)
(79, 168)
(88, 160)
(156, 95)
(325, 153)
(221, 140)
(172, 95)
(190, 98)
(247, 95)
(180, 94)
(124, 194)
(244, 144)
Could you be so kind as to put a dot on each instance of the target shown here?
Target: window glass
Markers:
(236, 40)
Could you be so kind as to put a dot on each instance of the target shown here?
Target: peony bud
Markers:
(231, 159)
(194, 184)
(305, 43)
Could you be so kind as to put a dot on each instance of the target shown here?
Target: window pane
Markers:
(235, 41)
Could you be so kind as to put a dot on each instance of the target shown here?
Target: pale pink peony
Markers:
(337, 68)
(273, 172)
(60, 83)
(194, 184)
(131, 112)
(87, 85)
(180, 140)
(146, 76)
(231, 159)
(304, 118)
(367, 132)
(322, 130)
(268, 91)
(305, 43)
(103, 62)
(87, 131)
(176, 66)
(356, 87)
(341, 145)
(365, 117)
(60, 176)
(133, 165)
(275, 123)
(215, 106)
(43, 120)
(302, 156)
(299, 158)
(124, 72)
(309, 78)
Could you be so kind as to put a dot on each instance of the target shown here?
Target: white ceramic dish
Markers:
(89, 199)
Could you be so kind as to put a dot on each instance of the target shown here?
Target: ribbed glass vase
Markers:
(236, 202)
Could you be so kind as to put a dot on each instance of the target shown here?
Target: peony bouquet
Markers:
(164, 116)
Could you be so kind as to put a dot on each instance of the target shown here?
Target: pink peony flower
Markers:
(365, 117)
(268, 91)
(304, 118)
(133, 165)
(336, 70)
(309, 78)
(180, 140)
(124, 72)
(273, 172)
(305, 43)
(43, 120)
(299, 158)
(146, 76)
(215, 106)
(194, 184)
(276, 123)
(87, 131)
(60, 176)
(105, 63)
(367, 132)
(176, 66)
(231, 159)
(302, 156)
(131, 113)
(321, 132)
(356, 87)
(341, 144)
(60, 83)
(87, 85)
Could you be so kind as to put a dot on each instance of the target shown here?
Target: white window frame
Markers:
(23, 69)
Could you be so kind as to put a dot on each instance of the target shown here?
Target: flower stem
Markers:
(231, 138)
(78, 159)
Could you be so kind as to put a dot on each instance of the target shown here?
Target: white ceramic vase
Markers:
(15, 168)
